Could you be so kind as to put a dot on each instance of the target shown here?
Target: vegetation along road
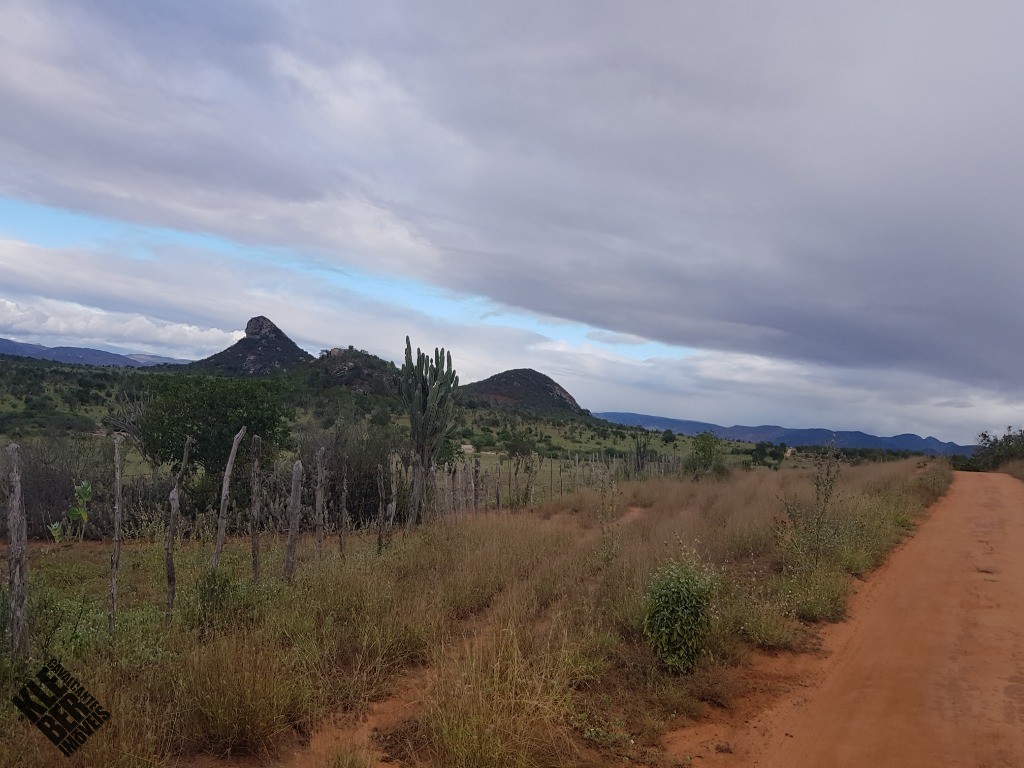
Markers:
(928, 671)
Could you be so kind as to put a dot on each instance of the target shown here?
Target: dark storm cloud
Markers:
(828, 184)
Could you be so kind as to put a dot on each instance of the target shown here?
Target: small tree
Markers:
(519, 444)
(811, 532)
(210, 410)
(79, 512)
(428, 386)
(707, 455)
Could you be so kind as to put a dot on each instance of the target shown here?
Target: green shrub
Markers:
(678, 613)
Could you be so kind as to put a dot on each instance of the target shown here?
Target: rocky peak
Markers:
(264, 350)
(261, 327)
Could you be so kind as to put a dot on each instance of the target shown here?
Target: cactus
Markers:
(428, 388)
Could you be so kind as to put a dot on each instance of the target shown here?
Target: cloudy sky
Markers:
(799, 213)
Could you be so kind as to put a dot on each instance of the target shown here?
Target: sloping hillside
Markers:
(526, 390)
(358, 371)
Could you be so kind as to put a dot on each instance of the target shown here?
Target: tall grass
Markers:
(531, 625)
(501, 704)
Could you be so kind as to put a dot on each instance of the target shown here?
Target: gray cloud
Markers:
(194, 303)
(103, 298)
(833, 187)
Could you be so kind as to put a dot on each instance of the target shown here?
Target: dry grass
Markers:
(237, 694)
(1014, 468)
(499, 704)
(349, 757)
(531, 625)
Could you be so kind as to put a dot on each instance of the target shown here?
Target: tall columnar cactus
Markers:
(428, 388)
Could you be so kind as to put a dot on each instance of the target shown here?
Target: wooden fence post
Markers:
(171, 532)
(115, 557)
(294, 507)
(534, 466)
(419, 490)
(433, 488)
(393, 504)
(380, 509)
(476, 484)
(497, 488)
(254, 515)
(465, 490)
(17, 561)
(343, 511)
(319, 511)
(222, 518)
(445, 502)
(456, 483)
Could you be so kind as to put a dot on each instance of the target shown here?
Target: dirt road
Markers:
(928, 671)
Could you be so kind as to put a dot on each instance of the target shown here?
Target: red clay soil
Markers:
(928, 671)
(383, 716)
(343, 732)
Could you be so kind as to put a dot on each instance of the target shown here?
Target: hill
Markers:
(527, 390)
(795, 437)
(358, 371)
(81, 355)
(265, 350)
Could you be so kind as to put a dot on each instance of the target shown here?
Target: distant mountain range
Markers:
(83, 355)
(774, 434)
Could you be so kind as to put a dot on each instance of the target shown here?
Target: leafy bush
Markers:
(678, 613)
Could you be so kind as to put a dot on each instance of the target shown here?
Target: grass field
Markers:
(526, 628)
